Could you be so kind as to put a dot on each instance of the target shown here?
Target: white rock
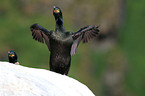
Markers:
(17, 80)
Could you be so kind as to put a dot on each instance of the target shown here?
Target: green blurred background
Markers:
(111, 65)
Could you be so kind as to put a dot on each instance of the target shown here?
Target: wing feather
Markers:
(40, 34)
(84, 34)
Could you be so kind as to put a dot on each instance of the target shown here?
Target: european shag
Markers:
(62, 44)
(12, 56)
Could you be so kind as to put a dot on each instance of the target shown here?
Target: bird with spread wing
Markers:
(62, 44)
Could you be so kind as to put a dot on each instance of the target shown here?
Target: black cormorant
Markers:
(61, 43)
(12, 56)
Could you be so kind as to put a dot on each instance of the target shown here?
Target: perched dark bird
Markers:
(12, 56)
(62, 44)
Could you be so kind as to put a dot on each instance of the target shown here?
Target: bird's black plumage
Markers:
(62, 44)
(12, 56)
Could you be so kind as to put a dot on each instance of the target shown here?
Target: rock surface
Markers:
(17, 80)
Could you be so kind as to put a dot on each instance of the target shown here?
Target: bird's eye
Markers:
(56, 10)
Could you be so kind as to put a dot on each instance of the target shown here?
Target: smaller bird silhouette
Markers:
(12, 56)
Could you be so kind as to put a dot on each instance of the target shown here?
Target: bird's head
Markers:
(57, 12)
(11, 54)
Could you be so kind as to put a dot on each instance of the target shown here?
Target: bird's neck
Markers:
(59, 25)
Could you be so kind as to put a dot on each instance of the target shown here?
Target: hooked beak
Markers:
(11, 55)
(56, 10)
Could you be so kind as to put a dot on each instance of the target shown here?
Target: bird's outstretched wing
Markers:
(84, 34)
(39, 33)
